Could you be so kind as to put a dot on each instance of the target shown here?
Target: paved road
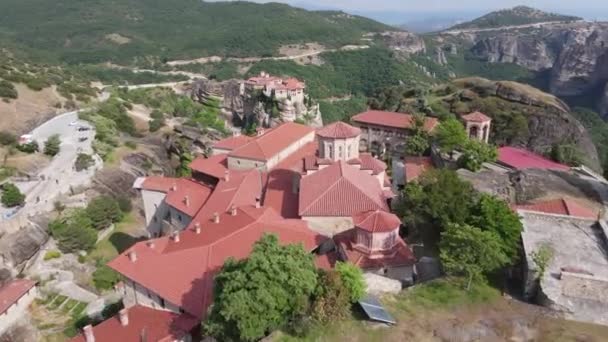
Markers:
(59, 177)
(475, 30)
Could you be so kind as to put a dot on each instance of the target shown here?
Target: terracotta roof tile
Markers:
(158, 326)
(399, 255)
(393, 120)
(369, 162)
(476, 117)
(340, 190)
(190, 286)
(521, 159)
(561, 206)
(233, 142)
(12, 291)
(188, 196)
(214, 166)
(158, 183)
(272, 142)
(415, 167)
(377, 221)
(339, 130)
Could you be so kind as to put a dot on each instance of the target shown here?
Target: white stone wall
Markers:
(377, 241)
(404, 274)
(328, 225)
(215, 151)
(339, 149)
(178, 219)
(16, 312)
(155, 210)
(135, 294)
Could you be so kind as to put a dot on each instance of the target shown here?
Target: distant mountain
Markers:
(124, 31)
(520, 15)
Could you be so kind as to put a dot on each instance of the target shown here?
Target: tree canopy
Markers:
(52, 145)
(103, 211)
(352, 278)
(73, 233)
(475, 153)
(451, 135)
(11, 196)
(258, 295)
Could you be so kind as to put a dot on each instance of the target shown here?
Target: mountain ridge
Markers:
(519, 15)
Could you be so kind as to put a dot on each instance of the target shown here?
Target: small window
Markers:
(179, 218)
(340, 152)
(162, 302)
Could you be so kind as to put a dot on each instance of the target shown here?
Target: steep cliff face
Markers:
(574, 54)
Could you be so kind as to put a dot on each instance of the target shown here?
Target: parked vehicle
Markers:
(81, 139)
(82, 129)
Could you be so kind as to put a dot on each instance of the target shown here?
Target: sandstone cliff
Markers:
(574, 55)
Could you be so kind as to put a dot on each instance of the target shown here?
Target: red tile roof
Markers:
(289, 84)
(340, 190)
(158, 183)
(377, 221)
(12, 291)
(214, 166)
(393, 120)
(339, 130)
(188, 196)
(399, 255)
(272, 142)
(521, 159)
(416, 166)
(158, 326)
(476, 117)
(560, 206)
(233, 142)
(182, 272)
(369, 162)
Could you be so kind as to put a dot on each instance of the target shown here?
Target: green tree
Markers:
(183, 170)
(567, 154)
(31, 147)
(11, 195)
(52, 145)
(73, 233)
(417, 143)
(541, 259)
(258, 295)
(468, 251)
(494, 215)
(352, 278)
(83, 162)
(7, 138)
(332, 299)
(104, 277)
(475, 153)
(103, 211)
(451, 135)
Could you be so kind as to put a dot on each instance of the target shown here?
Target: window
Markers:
(348, 152)
(162, 302)
(179, 218)
(331, 152)
(340, 152)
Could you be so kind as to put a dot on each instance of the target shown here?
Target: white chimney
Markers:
(176, 237)
(227, 175)
(151, 244)
(123, 316)
(88, 333)
(132, 256)
(174, 187)
(197, 228)
(216, 218)
(233, 211)
(257, 202)
(187, 200)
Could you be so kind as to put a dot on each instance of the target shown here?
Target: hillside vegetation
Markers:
(125, 30)
(520, 15)
(522, 115)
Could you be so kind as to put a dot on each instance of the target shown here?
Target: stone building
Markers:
(15, 297)
(478, 126)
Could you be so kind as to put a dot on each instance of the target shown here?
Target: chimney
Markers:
(174, 187)
(176, 237)
(197, 228)
(187, 200)
(257, 203)
(233, 210)
(123, 316)
(227, 175)
(216, 218)
(151, 244)
(88, 333)
(132, 256)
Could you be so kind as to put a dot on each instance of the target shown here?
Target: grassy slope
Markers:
(520, 15)
(76, 31)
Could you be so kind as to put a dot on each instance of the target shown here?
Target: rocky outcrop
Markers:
(403, 41)
(574, 55)
(18, 247)
(603, 105)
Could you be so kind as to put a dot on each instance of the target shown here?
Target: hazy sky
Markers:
(446, 5)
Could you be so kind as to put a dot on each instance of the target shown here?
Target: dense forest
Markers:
(125, 30)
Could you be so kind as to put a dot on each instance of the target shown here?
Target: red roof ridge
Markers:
(338, 130)
(476, 116)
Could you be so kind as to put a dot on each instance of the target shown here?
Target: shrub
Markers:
(124, 203)
(332, 298)
(352, 277)
(12, 196)
(105, 278)
(52, 254)
(103, 211)
(52, 145)
(7, 90)
(83, 162)
(7, 138)
(73, 233)
(131, 144)
(29, 147)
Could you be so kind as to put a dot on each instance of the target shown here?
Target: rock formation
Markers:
(18, 247)
(403, 41)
